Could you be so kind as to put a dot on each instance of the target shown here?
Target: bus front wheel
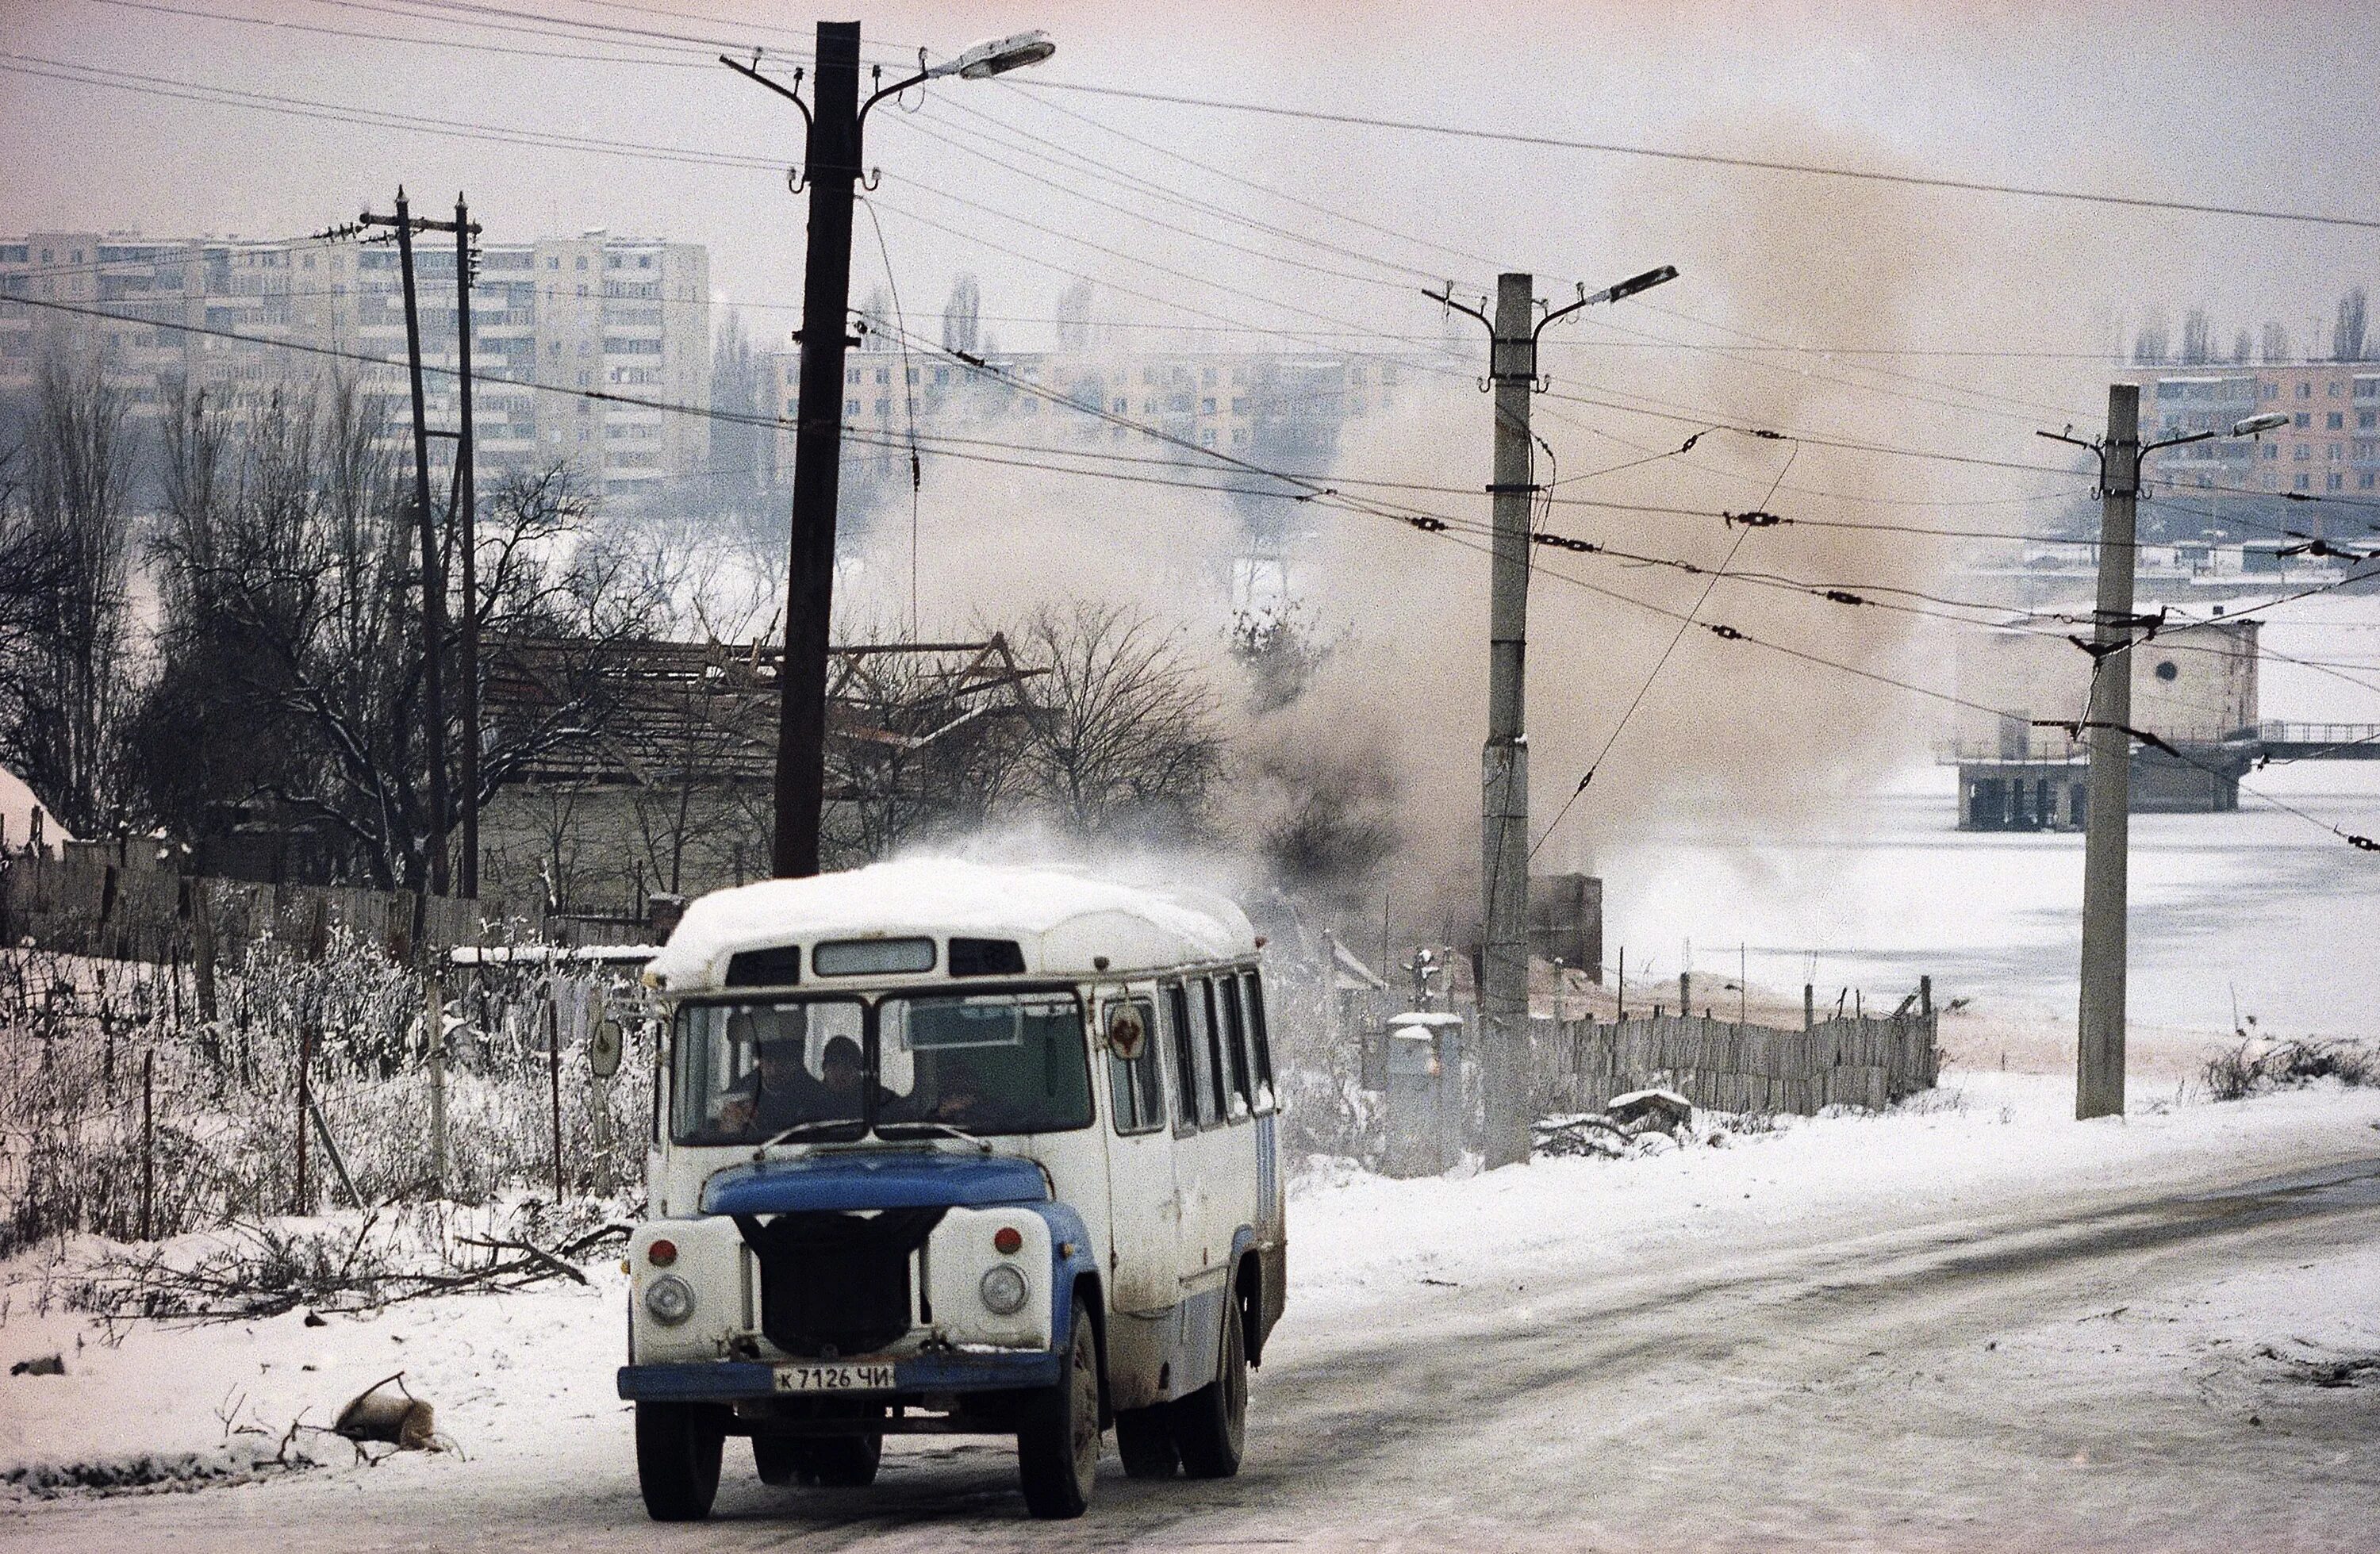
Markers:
(678, 1447)
(1058, 1436)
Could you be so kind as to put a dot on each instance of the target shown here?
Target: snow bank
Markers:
(1358, 1238)
(517, 1378)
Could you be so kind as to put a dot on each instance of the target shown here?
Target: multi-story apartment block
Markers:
(627, 316)
(1282, 410)
(2331, 446)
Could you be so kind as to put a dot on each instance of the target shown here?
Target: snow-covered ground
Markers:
(1790, 1336)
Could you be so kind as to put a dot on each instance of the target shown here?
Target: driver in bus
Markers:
(778, 1092)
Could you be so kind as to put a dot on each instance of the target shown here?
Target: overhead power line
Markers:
(1426, 522)
(1755, 163)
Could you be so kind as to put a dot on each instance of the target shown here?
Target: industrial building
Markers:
(2022, 765)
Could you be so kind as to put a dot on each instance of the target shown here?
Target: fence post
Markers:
(202, 950)
(434, 1039)
(148, 1144)
(1809, 1006)
(331, 1148)
(305, 1104)
(553, 1070)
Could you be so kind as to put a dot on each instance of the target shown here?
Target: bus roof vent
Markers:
(779, 966)
(987, 958)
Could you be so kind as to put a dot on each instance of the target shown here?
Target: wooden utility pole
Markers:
(835, 115)
(554, 1074)
(467, 516)
(830, 167)
(433, 1014)
(148, 1144)
(433, 573)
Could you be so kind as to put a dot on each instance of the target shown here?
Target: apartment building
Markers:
(2331, 446)
(1280, 409)
(624, 315)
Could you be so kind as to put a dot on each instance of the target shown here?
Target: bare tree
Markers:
(1127, 739)
(2276, 342)
(2347, 332)
(292, 626)
(70, 682)
(2197, 338)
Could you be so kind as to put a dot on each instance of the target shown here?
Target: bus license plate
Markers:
(834, 1378)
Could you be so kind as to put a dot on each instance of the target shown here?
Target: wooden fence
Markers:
(115, 901)
(1729, 1066)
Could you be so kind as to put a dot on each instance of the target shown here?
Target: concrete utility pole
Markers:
(835, 116)
(2099, 1031)
(1504, 762)
(2107, 730)
(1504, 962)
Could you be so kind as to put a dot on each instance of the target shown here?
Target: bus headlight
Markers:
(1003, 1291)
(669, 1300)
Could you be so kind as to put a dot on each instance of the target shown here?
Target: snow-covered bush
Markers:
(2256, 1065)
(82, 1041)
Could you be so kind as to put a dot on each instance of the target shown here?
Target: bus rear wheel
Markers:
(1211, 1424)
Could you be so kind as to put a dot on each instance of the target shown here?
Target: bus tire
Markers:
(1144, 1442)
(1058, 1433)
(1211, 1424)
(678, 1446)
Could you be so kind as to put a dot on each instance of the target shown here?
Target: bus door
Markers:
(1144, 1208)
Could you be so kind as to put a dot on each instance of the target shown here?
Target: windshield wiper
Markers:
(944, 1128)
(800, 1128)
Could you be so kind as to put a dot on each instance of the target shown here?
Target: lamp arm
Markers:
(1560, 314)
(1447, 298)
(895, 90)
(778, 88)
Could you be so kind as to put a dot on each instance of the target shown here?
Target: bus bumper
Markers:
(735, 1380)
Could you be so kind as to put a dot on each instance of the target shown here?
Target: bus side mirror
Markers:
(1127, 1031)
(603, 1050)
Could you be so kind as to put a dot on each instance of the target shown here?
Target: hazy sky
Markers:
(2272, 105)
(2277, 106)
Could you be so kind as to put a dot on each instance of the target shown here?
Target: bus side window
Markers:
(1234, 1028)
(1185, 1067)
(1259, 1038)
(1138, 1092)
(1211, 1108)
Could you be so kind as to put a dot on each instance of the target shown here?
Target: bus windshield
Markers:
(987, 1062)
(748, 1073)
(830, 1068)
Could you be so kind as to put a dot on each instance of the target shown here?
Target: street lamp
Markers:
(830, 167)
(995, 58)
(2107, 724)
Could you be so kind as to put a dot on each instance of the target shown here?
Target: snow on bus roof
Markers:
(1060, 917)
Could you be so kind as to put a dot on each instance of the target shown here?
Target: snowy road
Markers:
(1973, 1359)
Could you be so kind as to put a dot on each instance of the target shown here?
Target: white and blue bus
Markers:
(952, 1148)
